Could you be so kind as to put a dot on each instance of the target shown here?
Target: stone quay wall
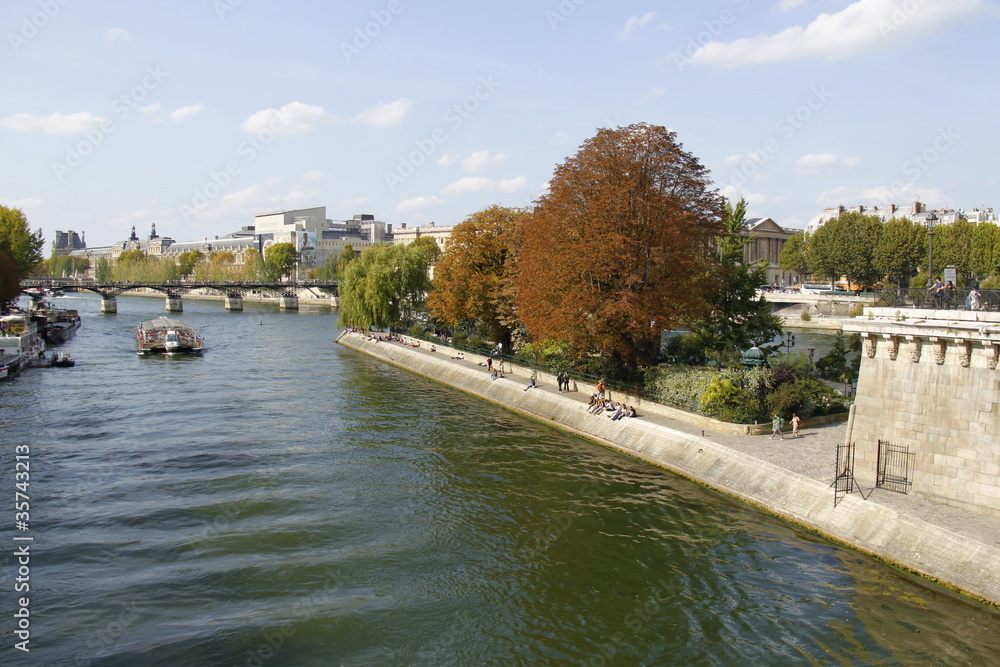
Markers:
(929, 382)
(900, 538)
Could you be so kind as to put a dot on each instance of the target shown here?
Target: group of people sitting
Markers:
(616, 411)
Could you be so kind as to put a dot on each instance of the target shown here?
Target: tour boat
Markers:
(166, 335)
(20, 343)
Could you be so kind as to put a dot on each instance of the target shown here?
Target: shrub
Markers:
(993, 282)
(806, 316)
(807, 397)
(728, 402)
(857, 310)
(679, 386)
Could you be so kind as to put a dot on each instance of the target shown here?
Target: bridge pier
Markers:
(234, 303)
(288, 303)
(175, 304)
(109, 304)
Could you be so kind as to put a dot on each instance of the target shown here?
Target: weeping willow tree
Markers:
(384, 287)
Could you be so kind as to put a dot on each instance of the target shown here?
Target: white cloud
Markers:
(904, 195)
(785, 5)
(117, 35)
(862, 26)
(190, 110)
(734, 161)
(481, 160)
(314, 175)
(448, 159)
(471, 184)
(299, 118)
(418, 204)
(733, 194)
(57, 123)
(837, 195)
(634, 23)
(559, 137)
(293, 118)
(815, 162)
(151, 109)
(386, 114)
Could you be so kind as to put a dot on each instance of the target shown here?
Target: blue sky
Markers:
(197, 114)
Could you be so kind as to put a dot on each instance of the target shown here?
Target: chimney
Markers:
(917, 207)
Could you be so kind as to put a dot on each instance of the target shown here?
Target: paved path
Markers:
(813, 454)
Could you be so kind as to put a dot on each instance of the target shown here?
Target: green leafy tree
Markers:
(793, 255)
(280, 260)
(103, 270)
(984, 250)
(383, 287)
(10, 281)
(471, 279)
(845, 246)
(739, 316)
(953, 246)
(335, 265)
(22, 245)
(188, 260)
(900, 250)
(821, 257)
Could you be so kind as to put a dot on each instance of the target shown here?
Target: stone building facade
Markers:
(929, 381)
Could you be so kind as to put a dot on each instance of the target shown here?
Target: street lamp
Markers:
(930, 221)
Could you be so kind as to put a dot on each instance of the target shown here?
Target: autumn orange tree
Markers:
(474, 276)
(621, 248)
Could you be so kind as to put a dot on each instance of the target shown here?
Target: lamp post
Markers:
(930, 221)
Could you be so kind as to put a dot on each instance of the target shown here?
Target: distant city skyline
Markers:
(426, 113)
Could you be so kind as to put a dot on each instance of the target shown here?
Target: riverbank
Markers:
(789, 478)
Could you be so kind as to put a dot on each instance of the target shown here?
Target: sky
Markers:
(196, 115)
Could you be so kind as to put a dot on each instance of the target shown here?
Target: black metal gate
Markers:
(844, 482)
(895, 466)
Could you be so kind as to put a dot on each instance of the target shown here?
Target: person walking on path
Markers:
(796, 420)
(489, 365)
(776, 427)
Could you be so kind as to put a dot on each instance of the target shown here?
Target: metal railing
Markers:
(894, 467)
(843, 483)
(953, 299)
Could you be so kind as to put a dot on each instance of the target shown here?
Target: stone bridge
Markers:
(234, 291)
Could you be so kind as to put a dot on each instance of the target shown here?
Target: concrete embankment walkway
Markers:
(790, 478)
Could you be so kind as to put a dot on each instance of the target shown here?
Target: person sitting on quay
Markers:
(619, 412)
(531, 380)
(460, 355)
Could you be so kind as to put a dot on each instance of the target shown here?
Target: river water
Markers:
(283, 500)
